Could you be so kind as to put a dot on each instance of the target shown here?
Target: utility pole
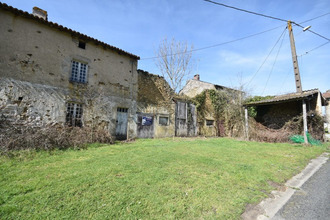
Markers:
(297, 79)
(294, 59)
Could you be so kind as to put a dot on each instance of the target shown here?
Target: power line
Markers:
(312, 32)
(314, 18)
(266, 58)
(271, 71)
(267, 16)
(216, 45)
(314, 49)
(251, 12)
(242, 38)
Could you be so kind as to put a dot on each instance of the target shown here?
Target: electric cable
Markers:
(266, 57)
(267, 16)
(242, 38)
(314, 18)
(217, 45)
(285, 78)
(271, 71)
(312, 32)
(313, 49)
(251, 12)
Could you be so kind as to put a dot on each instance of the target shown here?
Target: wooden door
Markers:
(121, 126)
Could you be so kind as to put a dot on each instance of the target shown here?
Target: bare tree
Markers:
(174, 62)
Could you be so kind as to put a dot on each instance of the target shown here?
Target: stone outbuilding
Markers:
(161, 112)
(210, 123)
(274, 113)
(50, 74)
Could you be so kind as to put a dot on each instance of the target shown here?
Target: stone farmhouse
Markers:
(53, 75)
(50, 74)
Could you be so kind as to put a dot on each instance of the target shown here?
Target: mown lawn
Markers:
(177, 178)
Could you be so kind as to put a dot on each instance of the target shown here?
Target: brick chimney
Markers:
(196, 77)
(40, 13)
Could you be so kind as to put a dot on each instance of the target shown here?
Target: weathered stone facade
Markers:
(37, 75)
(209, 122)
(160, 113)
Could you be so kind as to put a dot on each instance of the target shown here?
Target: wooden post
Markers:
(305, 121)
(246, 123)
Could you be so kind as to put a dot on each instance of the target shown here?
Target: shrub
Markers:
(19, 137)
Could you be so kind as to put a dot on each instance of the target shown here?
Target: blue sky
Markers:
(138, 26)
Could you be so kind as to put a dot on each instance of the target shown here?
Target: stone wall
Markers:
(153, 100)
(35, 70)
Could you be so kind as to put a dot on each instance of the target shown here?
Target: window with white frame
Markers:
(78, 72)
(74, 114)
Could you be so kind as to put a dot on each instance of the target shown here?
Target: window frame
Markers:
(74, 114)
(79, 72)
(167, 122)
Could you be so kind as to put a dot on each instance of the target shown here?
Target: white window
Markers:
(163, 120)
(78, 72)
(74, 114)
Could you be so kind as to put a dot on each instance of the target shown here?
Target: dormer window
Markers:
(82, 45)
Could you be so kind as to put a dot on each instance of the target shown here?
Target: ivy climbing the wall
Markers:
(225, 107)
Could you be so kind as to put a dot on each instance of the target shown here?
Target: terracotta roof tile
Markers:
(326, 95)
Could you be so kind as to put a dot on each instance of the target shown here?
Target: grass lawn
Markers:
(177, 178)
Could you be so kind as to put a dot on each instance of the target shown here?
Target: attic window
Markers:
(82, 45)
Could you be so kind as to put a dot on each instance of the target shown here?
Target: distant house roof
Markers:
(24, 14)
(287, 97)
(194, 87)
(326, 95)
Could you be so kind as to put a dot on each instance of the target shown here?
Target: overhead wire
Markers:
(242, 38)
(271, 17)
(312, 32)
(247, 11)
(266, 58)
(314, 18)
(278, 51)
(216, 45)
(314, 49)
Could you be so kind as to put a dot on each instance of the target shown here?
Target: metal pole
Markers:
(305, 121)
(294, 59)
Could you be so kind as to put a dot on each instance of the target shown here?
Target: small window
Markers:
(163, 120)
(74, 114)
(122, 109)
(82, 45)
(209, 122)
(78, 72)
